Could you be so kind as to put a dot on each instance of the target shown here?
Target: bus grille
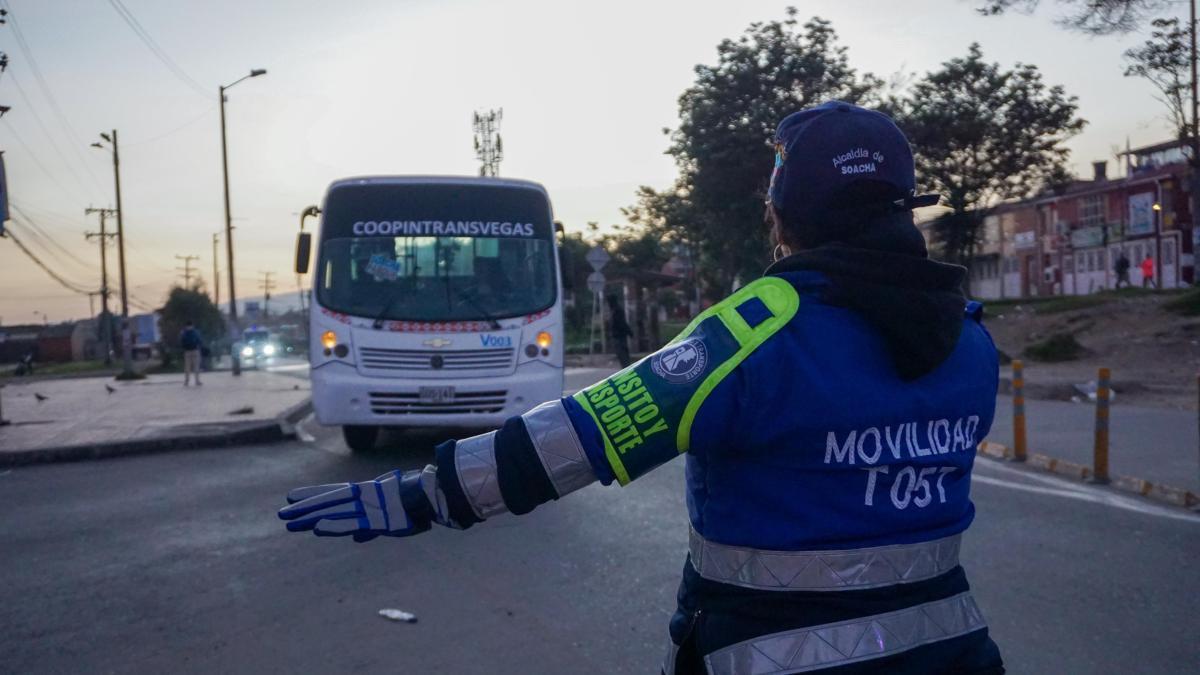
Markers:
(465, 402)
(377, 358)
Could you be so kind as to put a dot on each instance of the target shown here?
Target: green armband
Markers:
(645, 412)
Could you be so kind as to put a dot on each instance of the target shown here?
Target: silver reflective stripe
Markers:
(436, 497)
(558, 447)
(838, 644)
(475, 459)
(823, 570)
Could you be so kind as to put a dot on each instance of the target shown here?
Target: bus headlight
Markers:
(328, 339)
(544, 339)
(269, 350)
(247, 351)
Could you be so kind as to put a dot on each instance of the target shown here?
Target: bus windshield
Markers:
(436, 278)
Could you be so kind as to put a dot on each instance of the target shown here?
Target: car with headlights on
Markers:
(256, 347)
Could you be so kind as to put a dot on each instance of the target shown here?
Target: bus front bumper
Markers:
(343, 396)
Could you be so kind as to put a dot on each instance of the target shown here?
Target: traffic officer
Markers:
(829, 412)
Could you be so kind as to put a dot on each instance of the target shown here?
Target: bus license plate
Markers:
(437, 394)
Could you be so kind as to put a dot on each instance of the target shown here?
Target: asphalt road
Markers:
(1157, 444)
(176, 563)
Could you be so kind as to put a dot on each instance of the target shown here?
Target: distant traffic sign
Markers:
(595, 282)
(597, 258)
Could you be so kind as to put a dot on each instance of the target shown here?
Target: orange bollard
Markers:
(1018, 406)
(1100, 450)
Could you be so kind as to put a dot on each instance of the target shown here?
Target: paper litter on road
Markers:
(398, 615)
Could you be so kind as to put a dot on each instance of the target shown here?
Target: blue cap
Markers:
(823, 152)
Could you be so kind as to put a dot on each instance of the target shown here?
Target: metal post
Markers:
(1018, 407)
(3, 422)
(1100, 451)
(126, 337)
(234, 328)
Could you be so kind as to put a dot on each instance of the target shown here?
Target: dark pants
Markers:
(621, 348)
(712, 615)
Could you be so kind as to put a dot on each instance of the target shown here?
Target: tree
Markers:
(722, 146)
(1097, 17)
(1164, 60)
(185, 305)
(982, 135)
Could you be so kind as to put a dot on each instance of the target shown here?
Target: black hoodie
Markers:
(885, 274)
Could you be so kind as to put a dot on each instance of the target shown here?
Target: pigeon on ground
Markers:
(109, 388)
(40, 397)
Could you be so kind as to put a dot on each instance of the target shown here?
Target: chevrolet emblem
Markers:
(438, 343)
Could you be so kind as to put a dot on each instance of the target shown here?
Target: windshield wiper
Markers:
(479, 308)
(387, 307)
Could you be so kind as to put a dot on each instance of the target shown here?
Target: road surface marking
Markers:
(1082, 493)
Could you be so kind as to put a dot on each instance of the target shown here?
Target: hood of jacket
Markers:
(886, 275)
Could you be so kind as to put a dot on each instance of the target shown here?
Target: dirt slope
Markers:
(1154, 353)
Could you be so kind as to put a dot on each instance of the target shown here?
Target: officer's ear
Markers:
(779, 234)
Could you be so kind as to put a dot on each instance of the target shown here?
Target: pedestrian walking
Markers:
(1122, 268)
(619, 331)
(190, 342)
(829, 413)
(1148, 272)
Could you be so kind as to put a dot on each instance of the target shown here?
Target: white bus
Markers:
(437, 301)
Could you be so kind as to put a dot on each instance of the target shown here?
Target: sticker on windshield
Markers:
(383, 268)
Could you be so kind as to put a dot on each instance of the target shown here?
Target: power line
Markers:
(175, 130)
(49, 95)
(167, 61)
(54, 146)
(10, 234)
(38, 230)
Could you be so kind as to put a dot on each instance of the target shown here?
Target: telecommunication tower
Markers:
(489, 147)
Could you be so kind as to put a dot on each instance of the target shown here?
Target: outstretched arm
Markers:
(530, 460)
(617, 429)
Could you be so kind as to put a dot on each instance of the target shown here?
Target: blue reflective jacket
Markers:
(800, 436)
(810, 440)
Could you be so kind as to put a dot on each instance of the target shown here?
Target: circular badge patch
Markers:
(681, 363)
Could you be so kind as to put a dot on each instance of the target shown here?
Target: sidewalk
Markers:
(79, 418)
(1155, 444)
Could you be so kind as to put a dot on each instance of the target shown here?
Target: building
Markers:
(1068, 241)
(54, 343)
(17, 341)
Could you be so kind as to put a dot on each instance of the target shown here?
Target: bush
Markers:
(1187, 304)
(1057, 347)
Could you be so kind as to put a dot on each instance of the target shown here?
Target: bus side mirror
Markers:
(303, 252)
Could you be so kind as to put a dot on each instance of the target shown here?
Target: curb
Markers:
(220, 435)
(1139, 486)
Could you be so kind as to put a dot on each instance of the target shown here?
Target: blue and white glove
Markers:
(393, 505)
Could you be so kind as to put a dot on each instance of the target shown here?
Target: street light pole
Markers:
(233, 315)
(126, 338)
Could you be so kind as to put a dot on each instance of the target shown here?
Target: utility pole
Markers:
(1195, 129)
(234, 328)
(267, 285)
(216, 276)
(105, 318)
(489, 147)
(126, 339)
(187, 269)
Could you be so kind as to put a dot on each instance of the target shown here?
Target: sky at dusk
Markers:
(389, 87)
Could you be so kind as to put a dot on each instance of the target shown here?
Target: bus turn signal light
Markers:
(544, 339)
(328, 339)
